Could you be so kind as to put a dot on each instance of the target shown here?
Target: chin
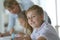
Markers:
(34, 26)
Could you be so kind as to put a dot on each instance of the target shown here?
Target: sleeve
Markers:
(45, 33)
(48, 35)
(11, 22)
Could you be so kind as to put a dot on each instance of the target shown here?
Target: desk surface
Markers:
(8, 37)
(5, 38)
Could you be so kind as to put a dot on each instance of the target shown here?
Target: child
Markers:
(41, 30)
(27, 28)
(23, 21)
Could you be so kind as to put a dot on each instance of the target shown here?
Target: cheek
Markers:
(37, 20)
(23, 23)
(16, 10)
(13, 11)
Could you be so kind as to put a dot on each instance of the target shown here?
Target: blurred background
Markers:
(52, 7)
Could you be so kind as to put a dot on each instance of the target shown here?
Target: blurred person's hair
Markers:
(23, 16)
(9, 3)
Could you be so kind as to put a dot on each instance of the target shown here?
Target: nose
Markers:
(31, 20)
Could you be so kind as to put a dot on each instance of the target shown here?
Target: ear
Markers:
(42, 16)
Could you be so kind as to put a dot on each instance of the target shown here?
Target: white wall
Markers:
(49, 7)
(1, 12)
(58, 10)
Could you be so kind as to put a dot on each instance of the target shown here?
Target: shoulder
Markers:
(48, 32)
(48, 29)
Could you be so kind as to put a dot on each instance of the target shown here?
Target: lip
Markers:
(32, 23)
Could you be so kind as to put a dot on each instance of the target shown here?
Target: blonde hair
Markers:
(27, 26)
(35, 8)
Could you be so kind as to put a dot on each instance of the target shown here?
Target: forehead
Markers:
(33, 12)
(21, 19)
(12, 7)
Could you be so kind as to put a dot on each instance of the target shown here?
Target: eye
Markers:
(28, 18)
(33, 16)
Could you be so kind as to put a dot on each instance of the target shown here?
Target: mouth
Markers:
(32, 23)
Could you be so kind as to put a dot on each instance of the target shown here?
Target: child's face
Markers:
(34, 19)
(14, 9)
(22, 21)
